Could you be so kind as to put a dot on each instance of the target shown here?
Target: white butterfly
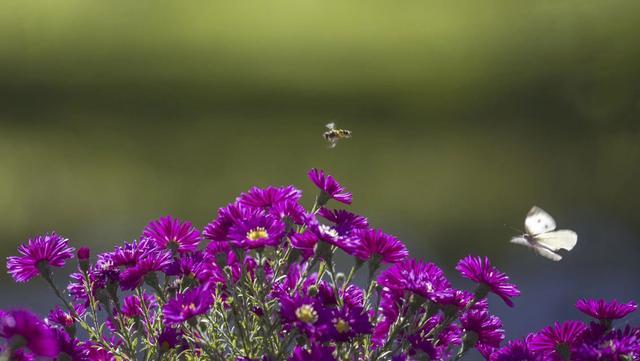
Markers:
(541, 236)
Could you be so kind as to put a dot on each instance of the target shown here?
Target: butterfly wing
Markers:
(538, 249)
(538, 221)
(561, 239)
(521, 241)
(542, 251)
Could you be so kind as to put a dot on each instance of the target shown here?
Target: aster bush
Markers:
(260, 282)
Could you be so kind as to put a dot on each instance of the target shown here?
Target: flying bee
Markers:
(333, 134)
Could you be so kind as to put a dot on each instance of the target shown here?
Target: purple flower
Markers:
(348, 322)
(559, 340)
(621, 344)
(187, 305)
(424, 279)
(316, 353)
(344, 222)
(97, 353)
(389, 312)
(371, 244)
(70, 347)
(256, 231)
(305, 243)
(127, 255)
(63, 318)
(38, 254)
(22, 355)
(479, 270)
(290, 210)
(218, 229)
(268, 197)
(450, 336)
(302, 312)
(24, 329)
(132, 278)
(171, 233)
(132, 307)
(169, 338)
(515, 351)
(330, 188)
(603, 310)
(196, 266)
(482, 328)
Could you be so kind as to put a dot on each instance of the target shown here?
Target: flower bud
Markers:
(312, 291)
(83, 258)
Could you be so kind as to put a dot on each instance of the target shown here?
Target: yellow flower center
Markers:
(190, 306)
(307, 314)
(257, 234)
(342, 326)
(165, 346)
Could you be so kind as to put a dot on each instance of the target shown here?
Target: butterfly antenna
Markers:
(513, 228)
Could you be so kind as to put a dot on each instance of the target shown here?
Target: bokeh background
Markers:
(464, 114)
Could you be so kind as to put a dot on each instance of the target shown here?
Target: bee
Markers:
(333, 134)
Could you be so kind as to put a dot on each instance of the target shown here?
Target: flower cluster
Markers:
(259, 282)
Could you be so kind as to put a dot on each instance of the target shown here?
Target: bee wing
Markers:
(561, 239)
(331, 126)
(538, 221)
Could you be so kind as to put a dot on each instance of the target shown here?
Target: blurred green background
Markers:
(464, 115)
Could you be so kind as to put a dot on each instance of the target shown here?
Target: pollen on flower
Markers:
(257, 234)
(342, 326)
(307, 314)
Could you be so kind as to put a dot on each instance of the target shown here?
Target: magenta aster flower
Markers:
(171, 233)
(330, 188)
(290, 211)
(304, 313)
(515, 351)
(620, 344)
(347, 322)
(218, 229)
(22, 328)
(559, 340)
(603, 310)
(70, 348)
(371, 244)
(22, 355)
(305, 243)
(127, 255)
(196, 266)
(483, 328)
(424, 279)
(132, 307)
(132, 277)
(344, 222)
(479, 270)
(315, 353)
(268, 197)
(257, 230)
(450, 336)
(169, 338)
(63, 318)
(38, 254)
(97, 353)
(187, 305)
